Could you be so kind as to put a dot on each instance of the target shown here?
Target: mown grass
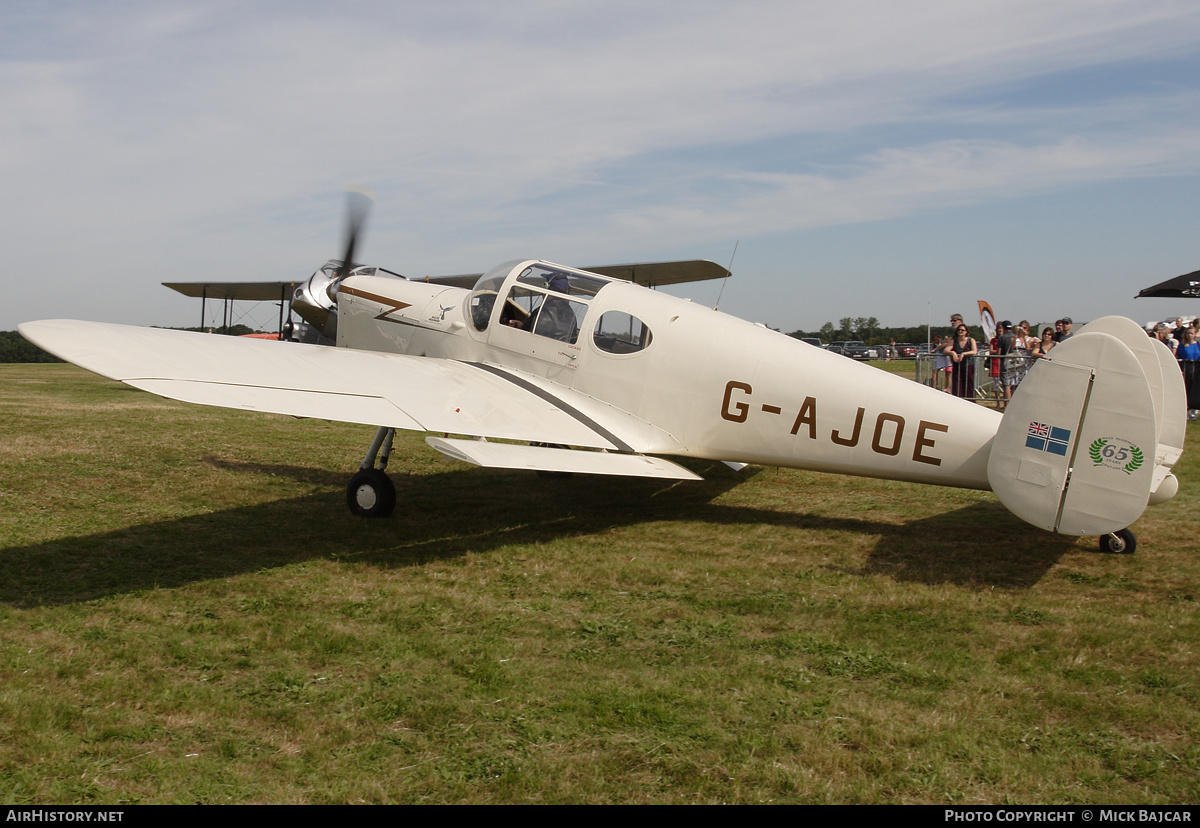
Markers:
(188, 613)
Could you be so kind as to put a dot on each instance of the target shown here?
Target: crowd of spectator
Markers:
(1015, 348)
(1181, 340)
(1176, 336)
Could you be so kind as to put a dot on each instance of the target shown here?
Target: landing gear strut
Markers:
(1121, 542)
(371, 493)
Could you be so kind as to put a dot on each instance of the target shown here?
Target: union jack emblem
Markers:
(1046, 437)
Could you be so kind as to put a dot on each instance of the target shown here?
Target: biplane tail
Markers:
(1091, 434)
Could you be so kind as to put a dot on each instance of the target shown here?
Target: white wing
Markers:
(396, 390)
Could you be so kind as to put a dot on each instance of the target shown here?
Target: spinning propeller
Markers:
(316, 300)
(358, 207)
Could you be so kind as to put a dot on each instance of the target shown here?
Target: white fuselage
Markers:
(712, 385)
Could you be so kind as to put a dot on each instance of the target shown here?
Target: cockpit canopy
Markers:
(563, 281)
(547, 300)
(551, 301)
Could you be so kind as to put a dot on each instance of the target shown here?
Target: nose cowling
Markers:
(316, 303)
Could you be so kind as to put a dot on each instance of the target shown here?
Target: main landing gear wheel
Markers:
(371, 494)
(1121, 542)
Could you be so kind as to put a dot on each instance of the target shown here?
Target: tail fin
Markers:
(1080, 449)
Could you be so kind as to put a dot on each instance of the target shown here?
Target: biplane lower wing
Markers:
(393, 390)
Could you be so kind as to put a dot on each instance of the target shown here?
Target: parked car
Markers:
(855, 349)
(905, 350)
(813, 341)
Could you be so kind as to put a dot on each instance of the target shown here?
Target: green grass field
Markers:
(188, 613)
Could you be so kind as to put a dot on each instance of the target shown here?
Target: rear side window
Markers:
(619, 333)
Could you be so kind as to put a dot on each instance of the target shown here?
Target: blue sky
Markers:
(895, 160)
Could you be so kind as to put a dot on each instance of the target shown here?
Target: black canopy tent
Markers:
(1186, 285)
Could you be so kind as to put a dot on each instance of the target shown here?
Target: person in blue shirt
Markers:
(1189, 351)
(1189, 348)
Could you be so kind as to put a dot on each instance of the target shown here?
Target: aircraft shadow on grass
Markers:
(493, 509)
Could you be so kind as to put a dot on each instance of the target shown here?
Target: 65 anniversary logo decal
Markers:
(1115, 453)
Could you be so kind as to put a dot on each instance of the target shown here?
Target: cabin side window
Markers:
(560, 319)
(542, 313)
(521, 308)
(618, 332)
(483, 297)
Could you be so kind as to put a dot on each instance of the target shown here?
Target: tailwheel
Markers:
(371, 494)
(1121, 542)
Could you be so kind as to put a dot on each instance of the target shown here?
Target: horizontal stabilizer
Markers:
(1172, 427)
(1074, 452)
(545, 458)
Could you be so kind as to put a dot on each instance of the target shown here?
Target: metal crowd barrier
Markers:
(987, 385)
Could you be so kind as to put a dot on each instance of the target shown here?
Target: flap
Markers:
(545, 458)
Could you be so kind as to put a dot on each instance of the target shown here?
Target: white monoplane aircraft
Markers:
(557, 369)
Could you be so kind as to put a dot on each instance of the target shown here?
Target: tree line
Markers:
(16, 348)
(868, 329)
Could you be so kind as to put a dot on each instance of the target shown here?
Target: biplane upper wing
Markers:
(394, 390)
(647, 274)
(655, 274)
(236, 291)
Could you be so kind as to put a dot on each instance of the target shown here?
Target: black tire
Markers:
(1121, 542)
(371, 494)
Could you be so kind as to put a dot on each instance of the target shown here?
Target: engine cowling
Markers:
(315, 301)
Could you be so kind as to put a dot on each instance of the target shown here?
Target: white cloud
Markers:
(187, 140)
